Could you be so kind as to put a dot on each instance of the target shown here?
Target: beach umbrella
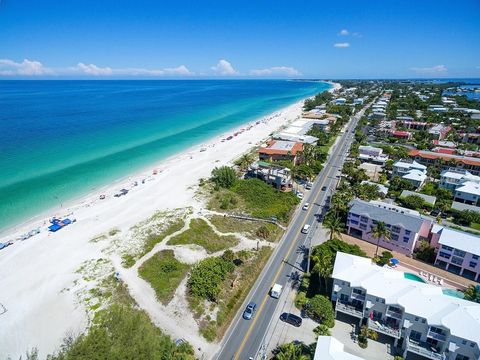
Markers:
(394, 261)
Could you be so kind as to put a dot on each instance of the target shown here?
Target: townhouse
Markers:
(418, 318)
(457, 251)
(406, 226)
(444, 161)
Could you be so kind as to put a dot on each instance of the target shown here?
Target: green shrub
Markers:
(320, 309)
(224, 176)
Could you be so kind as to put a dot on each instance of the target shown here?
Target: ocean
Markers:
(62, 139)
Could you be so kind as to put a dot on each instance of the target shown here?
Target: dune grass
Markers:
(164, 273)
(200, 233)
(252, 229)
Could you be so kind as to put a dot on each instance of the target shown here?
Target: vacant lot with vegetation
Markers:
(256, 198)
(221, 284)
(253, 229)
(164, 273)
(202, 234)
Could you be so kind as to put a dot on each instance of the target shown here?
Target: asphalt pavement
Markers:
(245, 338)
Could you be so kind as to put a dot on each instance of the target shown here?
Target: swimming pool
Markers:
(413, 277)
(453, 292)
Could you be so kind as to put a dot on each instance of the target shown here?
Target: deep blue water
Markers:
(60, 139)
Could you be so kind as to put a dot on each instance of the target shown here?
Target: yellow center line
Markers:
(247, 335)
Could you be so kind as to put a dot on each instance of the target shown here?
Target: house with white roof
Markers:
(419, 318)
(411, 171)
(468, 192)
(372, 154)
(406, 226)
(340, 101)
(329, 348)
(457, 251)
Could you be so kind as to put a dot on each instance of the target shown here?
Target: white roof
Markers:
(469, 187)
(458, 239)
(462, 317)
(416, 175)
(410, 165)
(329, 348)
(455, 174)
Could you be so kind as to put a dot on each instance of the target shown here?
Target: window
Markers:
(354, 222)
(395, 229)
(363, 219)
(416, 319)
(472, 264)
(445, 247)
(354, 215)
(415, 335)
(457, 260)
(461, 357)
(357, 291)
(394, 237)
(405, 239)
(444, 255)
(464, 342)
(423, 321)
(407, 232)
(459, 253)
(363, 226)
(472, 344)
(475, 257)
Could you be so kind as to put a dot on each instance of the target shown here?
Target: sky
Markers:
(109, 39)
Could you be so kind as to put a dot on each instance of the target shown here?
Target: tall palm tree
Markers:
(323, 267)
(290, 351)
(380, 232)
(334, 226)
(244, 161)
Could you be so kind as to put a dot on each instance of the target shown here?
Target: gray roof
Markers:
(427, 198)
(392, 217)
(460, 207)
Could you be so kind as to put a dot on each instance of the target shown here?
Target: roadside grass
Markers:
(475, 226)
(252, 229)
(202, 234)
(256, 198)
(234, 290)
(164, 273)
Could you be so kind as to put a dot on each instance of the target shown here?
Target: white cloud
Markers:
(343, 32)
(224, 68)
(276, 70)
(92, 69)
(24, 68)
(438, 70)
(341, 45)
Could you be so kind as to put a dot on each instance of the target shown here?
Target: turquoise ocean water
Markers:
(62, 139)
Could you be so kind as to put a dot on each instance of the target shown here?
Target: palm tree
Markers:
(334, 226)
(380, 231)
(323, 266)
(244, 161)
(290, 351)
(472, 293)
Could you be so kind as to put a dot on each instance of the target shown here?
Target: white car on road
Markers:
(306, 229)
(305, 206)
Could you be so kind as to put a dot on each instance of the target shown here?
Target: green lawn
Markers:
(227, 224)
(202, 234)
(164, 273)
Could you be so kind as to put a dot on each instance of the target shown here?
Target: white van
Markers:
(275, 291)
(306, 229)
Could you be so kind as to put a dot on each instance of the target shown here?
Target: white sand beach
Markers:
(39, 275)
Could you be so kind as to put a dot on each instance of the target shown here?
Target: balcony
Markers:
(384, 328)
(349, 309)
(436, 336)
(424, 350)
(394, 314)
(360, 297)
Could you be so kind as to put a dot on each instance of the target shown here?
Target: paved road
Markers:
(245, 338)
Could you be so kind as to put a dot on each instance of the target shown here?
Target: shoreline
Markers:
(41, 295)
(76, 201)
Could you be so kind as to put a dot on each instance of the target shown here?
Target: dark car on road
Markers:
(324, 188)
(291, 319)
(249, 310)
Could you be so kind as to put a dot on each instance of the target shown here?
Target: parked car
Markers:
(249, 310)
(300, 195)
(435, 213)
(291, 319)
(306, 206)
(306, 229)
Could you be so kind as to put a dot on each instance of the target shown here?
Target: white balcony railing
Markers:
(383, 328)
(348, 309)
(436, 336)
(394, 314)
(424, 350)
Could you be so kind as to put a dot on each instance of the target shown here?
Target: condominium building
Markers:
(413, 172)
(457, 251)
(445, 161)
(451, 178)
(406, 226)
(419, 318)
(281, 150)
